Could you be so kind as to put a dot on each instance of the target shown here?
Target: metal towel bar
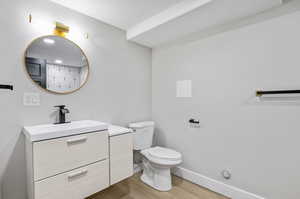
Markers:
(276, 92)
(8, 87)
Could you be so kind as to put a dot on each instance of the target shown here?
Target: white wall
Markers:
(257, 141)
(118, 89)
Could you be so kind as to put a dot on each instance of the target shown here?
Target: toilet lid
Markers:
(164, 153)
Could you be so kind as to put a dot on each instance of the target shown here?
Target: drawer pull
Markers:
(77, 174)
(76, 140)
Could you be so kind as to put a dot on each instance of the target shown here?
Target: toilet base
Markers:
(156, 176)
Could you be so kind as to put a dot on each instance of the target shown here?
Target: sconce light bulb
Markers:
(49, 41)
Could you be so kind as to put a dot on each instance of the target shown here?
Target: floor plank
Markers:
(134, 188)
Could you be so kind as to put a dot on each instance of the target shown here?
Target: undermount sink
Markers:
(50, 131)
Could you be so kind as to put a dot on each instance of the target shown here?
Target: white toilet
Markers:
(157, 161)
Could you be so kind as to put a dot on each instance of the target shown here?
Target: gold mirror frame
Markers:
(44, 89)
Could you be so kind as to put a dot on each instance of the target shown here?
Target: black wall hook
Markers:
(8, 87)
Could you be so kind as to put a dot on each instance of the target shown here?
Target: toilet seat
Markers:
(162, 156)
(164, 153)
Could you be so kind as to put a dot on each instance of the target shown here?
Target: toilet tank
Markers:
(143, 134)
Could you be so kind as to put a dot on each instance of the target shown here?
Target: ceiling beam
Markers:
(169, 14)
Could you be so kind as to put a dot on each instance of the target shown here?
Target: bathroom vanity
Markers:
(77, 159)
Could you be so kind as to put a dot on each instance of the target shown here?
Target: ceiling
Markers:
(156, 22)
(120, 13)
(213, 14)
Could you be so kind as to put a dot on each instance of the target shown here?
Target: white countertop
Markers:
(51, 131)
(118, 130)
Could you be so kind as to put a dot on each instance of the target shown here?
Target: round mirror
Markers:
(56, 64)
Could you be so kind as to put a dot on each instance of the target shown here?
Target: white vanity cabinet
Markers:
(77, 159)
(121, 157)
(72, 167)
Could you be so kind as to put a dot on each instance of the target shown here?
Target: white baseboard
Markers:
(214, 185)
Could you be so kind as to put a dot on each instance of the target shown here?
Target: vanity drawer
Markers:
(52, 157)
(77, 184)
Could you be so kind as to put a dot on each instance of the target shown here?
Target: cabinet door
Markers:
(76, 184)
(121, 157)
(55, 156)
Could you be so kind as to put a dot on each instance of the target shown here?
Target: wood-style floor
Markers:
(133, 188)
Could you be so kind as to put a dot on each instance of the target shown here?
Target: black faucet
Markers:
(62, 114)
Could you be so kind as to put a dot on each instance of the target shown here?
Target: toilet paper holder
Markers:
(193, 121)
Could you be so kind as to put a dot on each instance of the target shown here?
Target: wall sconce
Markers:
(61, 29)
(30, 18)
(58, 28)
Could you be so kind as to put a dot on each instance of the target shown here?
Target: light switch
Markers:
(184, 88)
(31, 99)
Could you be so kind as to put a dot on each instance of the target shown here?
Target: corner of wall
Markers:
(1, 191)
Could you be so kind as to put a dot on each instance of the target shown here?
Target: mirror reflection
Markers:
(56, 64)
